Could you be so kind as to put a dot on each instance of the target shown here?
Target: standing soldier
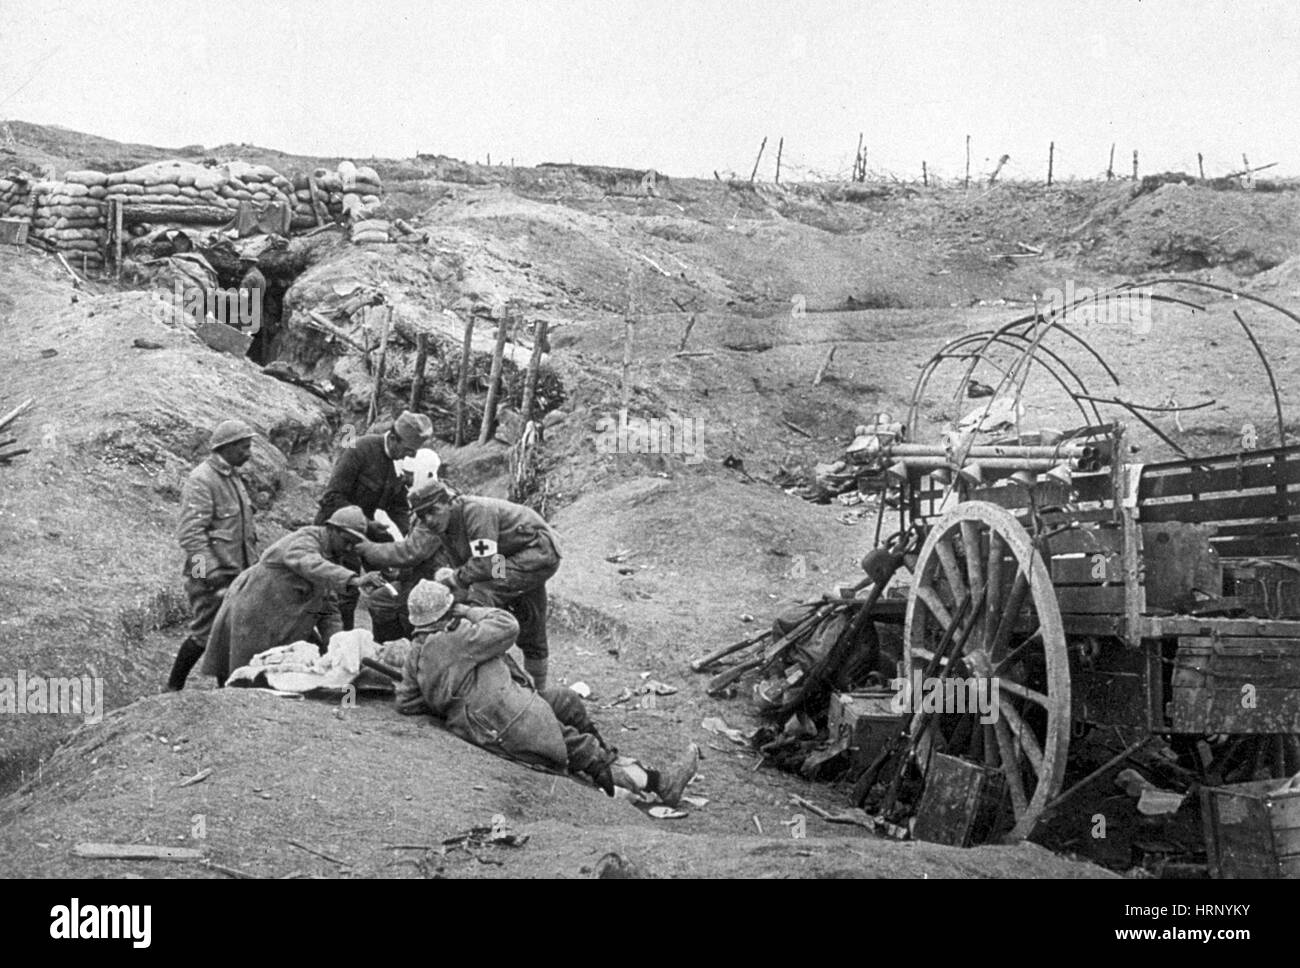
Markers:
(489, 552)
(367, 475)
(249, 307)
(216, 531)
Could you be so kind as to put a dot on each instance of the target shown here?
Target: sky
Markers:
(687, 88)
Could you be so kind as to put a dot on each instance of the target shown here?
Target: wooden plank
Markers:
(1091, 599)
(1222, 460)
(136, 852)
(1246, 547)
(1103, 625)
(1169, 626)
(1246, 686)
(1091, 569)
(1247, 476)
(1096, 539)
(1269, 505)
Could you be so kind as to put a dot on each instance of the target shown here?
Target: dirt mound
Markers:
(291, 781)
(90, 512)
(1180, 227)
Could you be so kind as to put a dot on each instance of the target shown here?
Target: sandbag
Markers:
(87, 178)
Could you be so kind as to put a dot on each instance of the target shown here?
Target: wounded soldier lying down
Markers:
(458, 670)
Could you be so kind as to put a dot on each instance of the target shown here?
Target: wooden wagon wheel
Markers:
(980, 565)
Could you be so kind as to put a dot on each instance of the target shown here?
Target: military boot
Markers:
(189, 654)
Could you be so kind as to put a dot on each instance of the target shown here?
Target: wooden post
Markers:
(494, 380)
(1200, 164)
(530, 379)
(318, 208)
(967, 185)
(754, 174)
(1110, 165)
(417, 382)
(463, 386)
(821, 370)
(117, 236)
(1247, 179)
(925, 175)
(1135, 164)
(690, 323)
(625, 385)
(780, 146)
(998, 170)
(858, 173)
(379, 365)
(1051, 152)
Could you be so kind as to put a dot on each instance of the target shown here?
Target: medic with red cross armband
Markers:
(501, 555)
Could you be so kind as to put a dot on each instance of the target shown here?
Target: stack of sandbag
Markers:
(181, 191)
(178, 191)
(68, 215)
(370, 230)
(352, 193)
(16, 197)
(258, 184)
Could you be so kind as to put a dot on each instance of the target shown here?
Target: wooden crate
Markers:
(963, 803)
(865, 721)
(1252, 831)
(13, 231)
(1241, 685)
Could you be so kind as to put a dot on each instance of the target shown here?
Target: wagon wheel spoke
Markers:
(970, 540)
(936, 606)
(952, 571)
(993, 574)
(1024, 692)
(1019, 650)
(1010, 768)
(1010, 614)
(1025, 737)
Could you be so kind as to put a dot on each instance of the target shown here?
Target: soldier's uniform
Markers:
(366, 476)
(500, 555)
(458, 669)
(216, 531)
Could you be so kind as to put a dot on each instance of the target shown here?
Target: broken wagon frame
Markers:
(1089, 587)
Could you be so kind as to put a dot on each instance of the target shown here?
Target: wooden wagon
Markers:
(1081, 586)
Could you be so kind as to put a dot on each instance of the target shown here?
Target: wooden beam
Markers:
(534, 362)
(462, 387)
(417, 381)
(135, 852)
(494, 380)
(753, 174)
(379, 365)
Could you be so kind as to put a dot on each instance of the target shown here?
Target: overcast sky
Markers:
(683, 87)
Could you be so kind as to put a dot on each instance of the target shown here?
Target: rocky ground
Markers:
(705, 549)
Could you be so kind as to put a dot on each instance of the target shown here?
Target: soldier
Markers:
(458, 670)
(216, 531)
(289, 594)
(489, 552)
(367, 475)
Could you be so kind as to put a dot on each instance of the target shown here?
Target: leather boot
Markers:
(189, 654)
(670, 784)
